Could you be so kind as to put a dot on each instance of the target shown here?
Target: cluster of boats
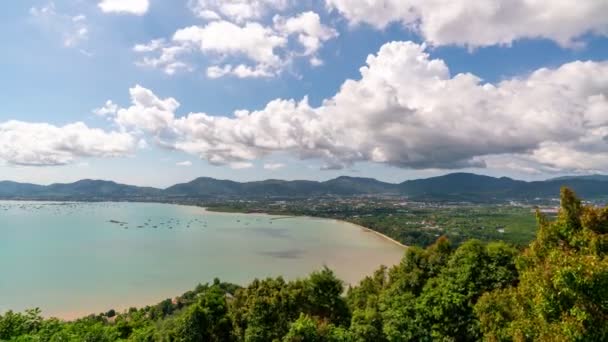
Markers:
(170, 223)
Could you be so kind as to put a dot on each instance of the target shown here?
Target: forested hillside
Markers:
(466, 187)
(554, 290)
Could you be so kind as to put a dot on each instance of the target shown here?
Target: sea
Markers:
(71, 259)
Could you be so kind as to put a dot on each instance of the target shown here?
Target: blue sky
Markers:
(61, 60)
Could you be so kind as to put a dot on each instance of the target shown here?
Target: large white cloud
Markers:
(253, 50)
(136, 7)
(41, 144)
(408, 111)
(480, 23)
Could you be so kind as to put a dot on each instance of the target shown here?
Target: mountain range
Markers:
(451, 187)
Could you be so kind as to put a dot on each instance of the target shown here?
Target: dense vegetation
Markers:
(422, 226)
(555, 290)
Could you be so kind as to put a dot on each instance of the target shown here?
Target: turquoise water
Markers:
(72, 259)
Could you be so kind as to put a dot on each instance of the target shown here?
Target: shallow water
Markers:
(72, 259)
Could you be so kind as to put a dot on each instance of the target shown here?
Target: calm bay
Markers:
(72, 259)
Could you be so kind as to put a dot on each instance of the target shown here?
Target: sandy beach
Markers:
(278, 217)
(82, 263)
(375, 232)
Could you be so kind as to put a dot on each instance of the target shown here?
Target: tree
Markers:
(220, 325)
(400, 319)
(304, 329)
(446, 302)
(264, 310)
(432, 292)
(207, 320)
(15, 324)
(194, 325)
(419, 265)
(366, 324)
(563, 290)
(307, 329)
(374, 285)
(324, 295)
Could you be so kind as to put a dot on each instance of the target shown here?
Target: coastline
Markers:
(208, 211)
(75, 315)
(278, 217)
(369, 230)
(71, 315)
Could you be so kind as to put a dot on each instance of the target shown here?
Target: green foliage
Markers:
(309, 329)
(194, 325)
(304, 329)
(366, 323)
(446, 302)
(264, 310)
(555, 290)
(16, 324)
(324, 297)
(562, 293)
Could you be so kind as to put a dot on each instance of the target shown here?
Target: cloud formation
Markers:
(236, 10)
(162, 55)
(41, 144)
(73, 29)
(310, 31)
(135, 7)
(407, 111)
(254, 50)
(482, 23)
(253, 41)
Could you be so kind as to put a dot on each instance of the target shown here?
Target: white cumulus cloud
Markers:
(407, 110)
(310, 31)
(252, 40)
(107, 109)
(167, 58)
(148, 112)
(42, 144)
(481, 23)
(254, 50)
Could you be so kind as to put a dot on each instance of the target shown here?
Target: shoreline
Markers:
(206, 210)
(278, 217)
(369, 230)
(73, 315)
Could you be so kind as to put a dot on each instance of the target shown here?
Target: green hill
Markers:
(451, 187)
